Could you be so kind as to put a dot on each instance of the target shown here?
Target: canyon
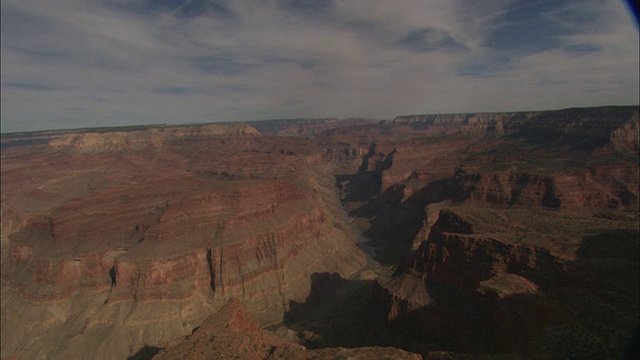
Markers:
(507, 235)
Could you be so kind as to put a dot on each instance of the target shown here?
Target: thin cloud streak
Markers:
(102, 63)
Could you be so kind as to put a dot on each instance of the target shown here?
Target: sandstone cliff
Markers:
(512, 277)
(117, 247)
(108, 140)
(488, 218)
(512, 234)
(229, 334)
(586, 126)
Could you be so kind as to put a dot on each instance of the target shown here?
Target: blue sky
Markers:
(84, 63)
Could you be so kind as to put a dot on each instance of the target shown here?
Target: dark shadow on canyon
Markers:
(393, 218)
(365, 183)
(339, 312)
(607, 269)
(586, 308)
(145, 353)
(348, 313)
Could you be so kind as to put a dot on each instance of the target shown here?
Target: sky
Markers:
(89, 63)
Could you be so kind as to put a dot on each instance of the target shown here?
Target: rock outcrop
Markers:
(509, 234)
(230, 334)
(149, 242)
(490, 220)
(590, 127)
(596, 188)
(520, 272)
(113, 140)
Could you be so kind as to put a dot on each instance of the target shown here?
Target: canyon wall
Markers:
(518, 282)
(489, 223)
(491, 233)
(112, 241)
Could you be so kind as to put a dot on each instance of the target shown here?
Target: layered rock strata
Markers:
(511, 234)
(499, 221)
(113, 242)
(229, 334)
(519, 271)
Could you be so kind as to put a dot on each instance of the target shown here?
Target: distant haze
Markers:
(79, 63)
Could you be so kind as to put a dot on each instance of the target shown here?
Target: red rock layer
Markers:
(149, 242)
(506, 265)
(230, 334)
(602, 187)
(117, 239)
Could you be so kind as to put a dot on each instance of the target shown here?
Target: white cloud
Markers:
(93, 63)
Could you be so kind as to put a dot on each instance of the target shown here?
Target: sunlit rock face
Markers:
(140, 235)
(492, 234)
(507, 256)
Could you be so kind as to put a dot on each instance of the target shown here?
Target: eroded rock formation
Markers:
(510, 234)
(145, 244)
(230, 334)
(499, 259)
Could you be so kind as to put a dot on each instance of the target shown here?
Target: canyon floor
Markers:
(459, 236)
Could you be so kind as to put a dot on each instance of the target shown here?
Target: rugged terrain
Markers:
(508, 235)
(230, 334)
(117, 240)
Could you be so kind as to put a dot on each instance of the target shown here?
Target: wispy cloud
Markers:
(30, 87)
(169, 61)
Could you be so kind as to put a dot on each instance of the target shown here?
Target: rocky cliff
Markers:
(515, 277)
(488, 217)
(112, 140)
(601, 187)
(512, 234)
(136, 247)
(229, 334)
(587, 126)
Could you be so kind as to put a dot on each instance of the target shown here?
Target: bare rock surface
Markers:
(490, 230)
(505, 235)
(230, 334)
(110, 246)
